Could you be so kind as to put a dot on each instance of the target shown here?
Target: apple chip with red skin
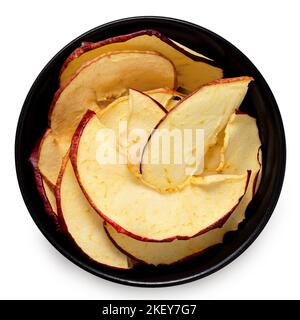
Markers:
(120, 109)
(82, 223)
(239, 153)
(52, 149)
(193, 69)
(139, 211)
(241, 149)
(50, 155)
(106, 77)
(208, 108)
(145, 114)
(44, 189)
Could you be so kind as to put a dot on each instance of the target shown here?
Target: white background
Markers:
(33, 31)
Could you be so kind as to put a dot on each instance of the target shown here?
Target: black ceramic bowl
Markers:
(259, 102)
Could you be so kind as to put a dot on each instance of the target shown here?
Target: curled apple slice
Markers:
(193, 52)
(163, 253)
(139, 211)
(46, 192)
(109, 75)
(116, 115)
(208, 108)
(193, 69)
(241, 135)
(120, 110)
(49, 192)
(145, 114)
(83, 224)
(51, 152)
(213, 155)
(241, 150)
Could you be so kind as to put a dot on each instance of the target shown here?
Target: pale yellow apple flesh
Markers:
(145, 114)
(51, 152)
(164, 253)
(107, 76)
(119, 110)
(208, 108)
(116, 112)
(50, 196)
(52, 149)
(212, 157)
(241, 131)
(193, 52)
(83, 224)
(139, 211)
(192, 69)
(137, 111)
(241, 150)
(44, 188)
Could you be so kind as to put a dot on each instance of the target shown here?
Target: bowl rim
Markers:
(259, 227)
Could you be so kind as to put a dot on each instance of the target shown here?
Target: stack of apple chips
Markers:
(100, 166)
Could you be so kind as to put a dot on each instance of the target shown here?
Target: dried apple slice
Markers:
(119, 109)
(51, 152)
(141, 212)
(192, 69)
(115, 113)
(213, 155)
(193, 52)
(109, 75)
(241, 134)
(164, 96)
(258, 178)
(50, 196)
(83, 224)
(241, 150)
(208, 108)
(145, 114)
(163, 253)
(52, 149)
(45, 191)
